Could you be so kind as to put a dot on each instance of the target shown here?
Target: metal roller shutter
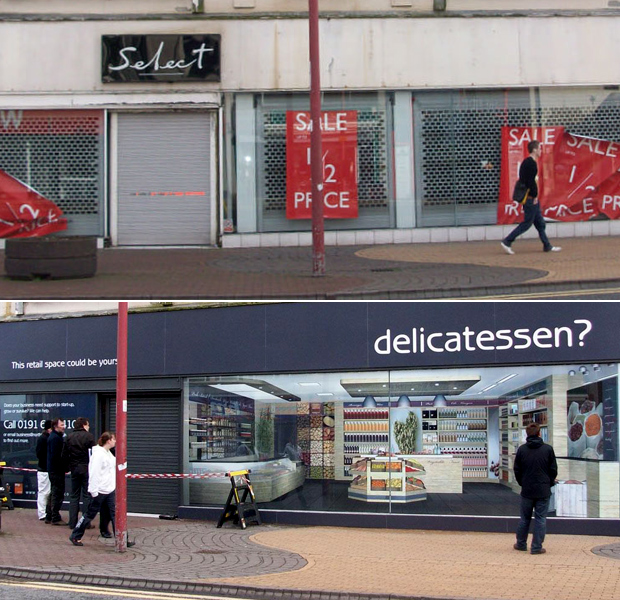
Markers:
(153, 446)
(164, 178)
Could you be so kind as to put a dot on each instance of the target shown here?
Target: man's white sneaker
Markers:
(554, 249)
(507, 249)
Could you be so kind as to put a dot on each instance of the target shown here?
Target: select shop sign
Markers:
(160, 58)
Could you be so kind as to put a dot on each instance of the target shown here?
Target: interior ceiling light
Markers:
(440, 400)
(255, 389)
(369, 402)
(508, 377)
(572, 373)
(411, 386)
(404, 402)
(309, 384)
(324, 394)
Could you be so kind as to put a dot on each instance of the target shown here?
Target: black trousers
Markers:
(96, 505)
(79, 491)
(57, 482)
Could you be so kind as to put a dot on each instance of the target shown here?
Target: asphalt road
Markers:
(23, 590)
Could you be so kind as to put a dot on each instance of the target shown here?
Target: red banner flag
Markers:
(24, 212)
(577, 176)
(339, 143)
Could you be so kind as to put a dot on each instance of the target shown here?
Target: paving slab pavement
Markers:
(407, 271)
(314, 562)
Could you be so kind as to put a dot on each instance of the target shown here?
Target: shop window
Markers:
(374, 188)
(59, 154)
(408, 441)
(458, 142)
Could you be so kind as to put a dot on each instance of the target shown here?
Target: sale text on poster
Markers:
(578, 177)
(339, 150)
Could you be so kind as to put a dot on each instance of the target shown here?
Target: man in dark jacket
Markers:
(56, 469)
(76, 452)
(44, 504)
(535, 470)
(532, 215)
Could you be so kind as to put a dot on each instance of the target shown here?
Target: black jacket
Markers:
(75, 450)
(41, 451)
(528, 172)
(54, 453)
(535, 468)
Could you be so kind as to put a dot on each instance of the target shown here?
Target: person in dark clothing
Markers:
(528, 174)
(76, 453)
(44, 497)
(56, 469)
(535, 470)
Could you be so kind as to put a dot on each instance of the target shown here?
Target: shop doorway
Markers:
(153, 446)
(165, 186)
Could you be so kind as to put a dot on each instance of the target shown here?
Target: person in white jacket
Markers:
(101, 485)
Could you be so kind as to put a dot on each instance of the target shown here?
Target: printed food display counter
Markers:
(270, 479)
(404, 478)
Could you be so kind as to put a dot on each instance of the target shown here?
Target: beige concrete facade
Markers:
(251, 6)
(356, 54)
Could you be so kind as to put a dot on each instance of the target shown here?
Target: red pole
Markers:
(120, 522)
(316, 153)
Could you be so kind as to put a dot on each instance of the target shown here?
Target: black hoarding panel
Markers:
(315, 336)
(216, 341)
(306, 336)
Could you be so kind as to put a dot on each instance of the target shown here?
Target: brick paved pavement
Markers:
(302, 563)
(164, 550)
(384, 271)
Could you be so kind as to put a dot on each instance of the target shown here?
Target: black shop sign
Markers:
(160, 58)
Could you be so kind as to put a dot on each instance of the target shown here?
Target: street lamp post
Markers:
(316, 158)
(120, 521)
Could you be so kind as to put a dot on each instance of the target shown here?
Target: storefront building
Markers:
(367, 414)
(176, 125)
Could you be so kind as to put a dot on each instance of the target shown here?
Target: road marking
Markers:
(548, 294)
(126, 593)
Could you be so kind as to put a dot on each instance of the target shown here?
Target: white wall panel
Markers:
(355, 53)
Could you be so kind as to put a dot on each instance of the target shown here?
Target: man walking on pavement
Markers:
(535, 470)
(76, 453)
(44, 503)
(56, 469)
(528, 174)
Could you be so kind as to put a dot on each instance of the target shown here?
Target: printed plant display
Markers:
(406, 434)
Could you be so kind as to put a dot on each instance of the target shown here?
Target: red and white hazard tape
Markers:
(174, 475)
(19, 469)
(146, 475)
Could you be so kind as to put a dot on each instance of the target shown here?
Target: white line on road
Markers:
(549, 294)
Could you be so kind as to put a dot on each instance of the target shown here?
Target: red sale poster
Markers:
(577, 176)
(24, 212)
(339, 144)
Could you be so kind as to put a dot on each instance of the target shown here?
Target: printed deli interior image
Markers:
(438, 441)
